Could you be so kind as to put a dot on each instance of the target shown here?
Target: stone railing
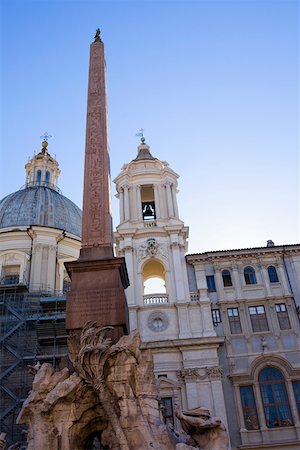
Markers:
(156, 299)
(194, 296)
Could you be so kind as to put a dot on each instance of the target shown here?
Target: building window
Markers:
(226, 278)
(296, 387)
(38, 177)
(216, 316)
(10, 275)
(148, 203)
(283, 317)
(274, 398)
(258, 318)
(167, 410)
(234, 320)
(249, 274)
(47, 178)
(273, 274)
(249, 408)
(211, 285)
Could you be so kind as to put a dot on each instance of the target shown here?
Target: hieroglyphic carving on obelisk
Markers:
(96, 220)
(98, 279)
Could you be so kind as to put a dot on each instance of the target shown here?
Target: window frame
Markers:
(283, 316)
(216, 316)
(251, 419)
(226, 277)
(250, 275)
(259, 320)
(233, 320)
(212, 287)
(273, 275)
(274, 397)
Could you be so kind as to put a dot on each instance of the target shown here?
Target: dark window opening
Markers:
(39, 177)
(216, 316)
(274, 398)
(249, 408)
(273, 274)
(296, 387)
(148, 209)
(211, 285)
(226, 278)
(283, 317)
(249, 274)
(167, 410)
(234, 320)
(148, 203)
(258, 318)
(47, 178)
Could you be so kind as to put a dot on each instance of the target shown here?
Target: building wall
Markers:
(254, 342)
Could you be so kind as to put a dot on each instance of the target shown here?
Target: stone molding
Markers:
(196, 374)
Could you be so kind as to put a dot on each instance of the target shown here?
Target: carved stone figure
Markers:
(209, 433)
(112, 397)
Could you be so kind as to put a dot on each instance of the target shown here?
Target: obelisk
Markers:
(98, 279)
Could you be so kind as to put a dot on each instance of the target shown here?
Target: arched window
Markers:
(273, 274)
(47, 178)
(249, 274)
(38, 177)
(154, 282)
(226, 278)
(274, 398)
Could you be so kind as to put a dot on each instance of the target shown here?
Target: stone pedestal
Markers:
(98, 295)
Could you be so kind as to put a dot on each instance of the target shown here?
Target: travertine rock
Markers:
(113, 396)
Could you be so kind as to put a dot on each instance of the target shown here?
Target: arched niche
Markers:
(154, 278)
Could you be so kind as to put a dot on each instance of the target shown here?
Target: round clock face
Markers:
(158, 321)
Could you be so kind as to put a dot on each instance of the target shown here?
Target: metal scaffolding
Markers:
(32, 329)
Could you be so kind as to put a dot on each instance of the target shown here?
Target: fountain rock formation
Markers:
(111, 396)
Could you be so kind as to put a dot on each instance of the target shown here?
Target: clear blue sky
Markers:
(213, 83)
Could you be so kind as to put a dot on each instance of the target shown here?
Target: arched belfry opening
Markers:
(148, 202)
(154, 280)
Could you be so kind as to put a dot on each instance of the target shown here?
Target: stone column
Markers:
(139, 203)
(126, 204)
(169, 200)
(51, 266)
(283, 279)
(183, 321)
(201, 281)
(259, 406)
(157, 202)
(237, 281)
(178, 271)
(36, 266)
(266, 280)
(163, 203)
(219, 282)
(121, 199)
(173, 190)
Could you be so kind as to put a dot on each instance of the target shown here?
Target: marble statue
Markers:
(206, 432)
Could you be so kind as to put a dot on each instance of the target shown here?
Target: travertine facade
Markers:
(254, 295)
(178, 329)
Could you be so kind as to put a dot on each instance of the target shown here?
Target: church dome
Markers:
(41, 202)
(40, 205)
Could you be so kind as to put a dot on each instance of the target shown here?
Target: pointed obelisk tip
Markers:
(97, 36)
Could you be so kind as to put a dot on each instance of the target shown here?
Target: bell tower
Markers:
(153, 240)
